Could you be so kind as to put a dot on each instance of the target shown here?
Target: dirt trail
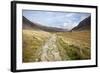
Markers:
(49, 51)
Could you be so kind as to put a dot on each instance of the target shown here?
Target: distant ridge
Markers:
(32, 25)
(83, 25)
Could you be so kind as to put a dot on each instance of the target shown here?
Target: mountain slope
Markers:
(28, 24)
(84, 25)
(31, 25)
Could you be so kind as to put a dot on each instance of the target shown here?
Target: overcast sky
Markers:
(66, 20)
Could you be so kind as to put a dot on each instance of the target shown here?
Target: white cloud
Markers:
(65, 24)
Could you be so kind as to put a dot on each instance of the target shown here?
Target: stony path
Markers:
(49, 51)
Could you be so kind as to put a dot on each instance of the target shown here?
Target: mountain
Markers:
(83, 25)
(28, 24)
(32, 25)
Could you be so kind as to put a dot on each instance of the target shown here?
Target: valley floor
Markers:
(55, 46)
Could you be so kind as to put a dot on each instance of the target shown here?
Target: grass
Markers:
(32, 41)
(71, 45)
(78, 38)
(76, 44)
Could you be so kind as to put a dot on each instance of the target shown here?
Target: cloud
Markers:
(66, 20)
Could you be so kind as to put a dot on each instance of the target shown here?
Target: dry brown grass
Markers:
(79, 38)
(72, 45)
(32, 41)
(76, 44)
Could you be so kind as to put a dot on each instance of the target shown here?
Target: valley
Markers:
(55, 46)
(42, 43)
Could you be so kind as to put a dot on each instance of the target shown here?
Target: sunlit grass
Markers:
(32, 41)
(71, 45)
(76, 44)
